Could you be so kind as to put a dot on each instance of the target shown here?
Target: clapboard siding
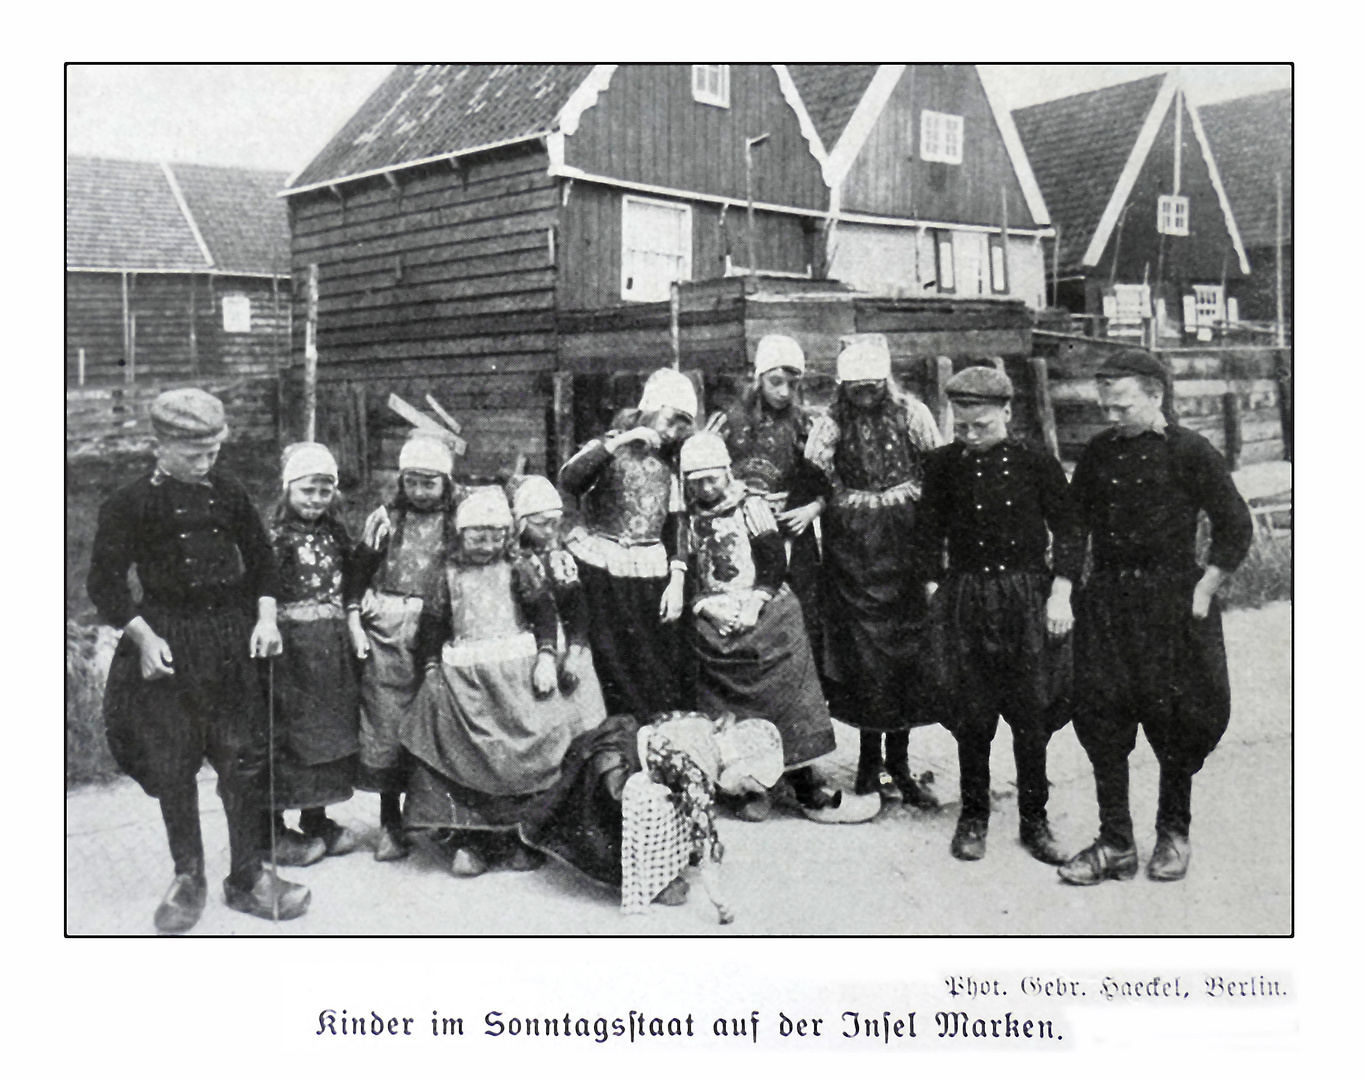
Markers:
(646, 128)
(589, 244)
(890, 178)
(160, 307)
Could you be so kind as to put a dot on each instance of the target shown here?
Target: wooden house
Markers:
(1252, 140)
(931, 193)
(173, 272)
(1147, 242)
(507, 238)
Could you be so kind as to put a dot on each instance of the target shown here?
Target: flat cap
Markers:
(189, 415)
(980, 384)
(1129, 362)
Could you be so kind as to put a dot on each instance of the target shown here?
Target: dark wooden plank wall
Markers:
(1203, 256)
(589, 244)
(161, 304)
(647, 128)
(889, 178)
(447, 289)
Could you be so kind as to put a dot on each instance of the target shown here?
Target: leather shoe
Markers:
(674, 893)
(871, 779)
(390, 846)
(292, 848)
(466, 862)
(182, 905)
(1100, 862)
(268, 898)
(1037, 838)
(915, 792)
(1170, 858)
(969, 841)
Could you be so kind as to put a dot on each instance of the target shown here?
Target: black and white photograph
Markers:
(679, 500)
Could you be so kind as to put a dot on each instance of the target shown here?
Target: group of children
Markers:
(505, 685)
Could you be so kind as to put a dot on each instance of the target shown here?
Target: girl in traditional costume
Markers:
(316, 682)
(490, 725)
(628, 549)
(400, 570)
(871, 446)
(748, 636)
(766, 433)
(538, 513)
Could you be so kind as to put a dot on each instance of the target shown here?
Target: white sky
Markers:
(278, 116)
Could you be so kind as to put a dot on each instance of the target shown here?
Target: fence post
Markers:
(1042, 401)
(940, 371)
(563, 433)
(310, 358)
(1232, 416)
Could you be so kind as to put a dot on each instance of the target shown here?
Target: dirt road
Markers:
(893, 875)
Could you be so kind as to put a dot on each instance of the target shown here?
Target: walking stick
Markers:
(270, 769)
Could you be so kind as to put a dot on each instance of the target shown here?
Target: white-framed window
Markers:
(656, 247)
(940, 137)
(1208, 305)
(1132, 304)
(236, 314)
(1173, 215)
(711, 84)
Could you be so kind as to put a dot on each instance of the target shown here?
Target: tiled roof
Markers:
(1077, 147)
(831, 93)
(423, 111)
(240, 216)
(1252, 140)
(123, 215)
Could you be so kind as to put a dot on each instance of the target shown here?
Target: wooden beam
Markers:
(127, 331)
(940, 371)
(562, 437)
(1042, 403)
(310, 358)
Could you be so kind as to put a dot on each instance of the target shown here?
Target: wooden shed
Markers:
(1147, 242)
(930, 189)
(506, 238)
(173, 271)
(1253, 143)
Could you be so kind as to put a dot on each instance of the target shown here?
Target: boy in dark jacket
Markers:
(182, 685)
(1000, 614)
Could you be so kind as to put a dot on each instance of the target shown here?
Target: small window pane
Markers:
(711, 84)
(941, 137)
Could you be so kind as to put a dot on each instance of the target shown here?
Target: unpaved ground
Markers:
(787, 875)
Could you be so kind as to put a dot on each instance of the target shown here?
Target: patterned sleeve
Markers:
(758, 516)
(824, 436)
(922, 427)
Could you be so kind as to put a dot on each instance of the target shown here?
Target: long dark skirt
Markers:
(876, 621)
(803, 575)
(160, 731)
(992, 653)
(577, 820)
(435, 801)
(317, 715)
(638, 659)
(767, 672)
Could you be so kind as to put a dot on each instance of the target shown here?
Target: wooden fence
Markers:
(112, 421)
(1239, 398)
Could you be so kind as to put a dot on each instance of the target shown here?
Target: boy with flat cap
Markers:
(1149, 637)
(1000, 615)
(183, 685)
